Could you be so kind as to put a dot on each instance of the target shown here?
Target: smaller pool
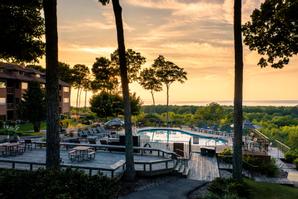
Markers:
(168, 135)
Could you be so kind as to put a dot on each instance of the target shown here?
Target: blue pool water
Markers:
(168, 135)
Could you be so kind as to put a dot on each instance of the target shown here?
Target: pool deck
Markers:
(203, 168)
(103, 159)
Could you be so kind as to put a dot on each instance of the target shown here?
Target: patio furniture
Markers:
(28, 144)
(12, 149)
(81, 153)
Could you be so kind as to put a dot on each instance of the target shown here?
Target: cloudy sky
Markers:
(195, 34)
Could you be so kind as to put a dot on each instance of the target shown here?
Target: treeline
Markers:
(279, 123)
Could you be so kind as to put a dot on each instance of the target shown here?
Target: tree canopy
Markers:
(134, 61)
(111, 105)
(105, 75)
(273, 31)
(33, 105)
(168, 72)
(22, 28)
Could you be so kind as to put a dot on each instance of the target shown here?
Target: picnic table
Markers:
(81, 153)
(11, 149)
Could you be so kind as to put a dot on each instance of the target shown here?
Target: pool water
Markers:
(177, 135)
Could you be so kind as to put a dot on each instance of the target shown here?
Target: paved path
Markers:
(174, 189)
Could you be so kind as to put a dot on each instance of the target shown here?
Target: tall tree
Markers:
(22, 28)
(130, 170)
(105, 75)
(168, 72)
(150, 81)
(134, 61)
(238, 92)
(273, 31)
(80, 74)
(65, 73)
(33, 106)
(52, 84)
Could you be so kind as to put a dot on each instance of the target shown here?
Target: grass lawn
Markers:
(29, 127)
(271, 191)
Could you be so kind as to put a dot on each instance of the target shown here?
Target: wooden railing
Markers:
(115, 167)
(142, 150)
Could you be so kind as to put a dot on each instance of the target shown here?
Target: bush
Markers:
(296, 163)
(291, 155)
(222, 187)
(259, 165)
(67, 183)
(227, 189)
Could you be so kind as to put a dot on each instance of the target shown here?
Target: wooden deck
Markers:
(104, 160)
(203, 168)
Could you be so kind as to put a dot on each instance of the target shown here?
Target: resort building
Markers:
(14, 81)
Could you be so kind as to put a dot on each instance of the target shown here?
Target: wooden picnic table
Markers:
(11, 148)
(81, 153)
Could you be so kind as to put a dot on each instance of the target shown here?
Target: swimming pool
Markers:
(171, 135)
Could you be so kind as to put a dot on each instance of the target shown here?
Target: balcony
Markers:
(10, 90)
(11, 106)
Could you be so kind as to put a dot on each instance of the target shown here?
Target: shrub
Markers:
(296, 163)
(291, 155)
(259, 165)
(67, 183)
(228, 188)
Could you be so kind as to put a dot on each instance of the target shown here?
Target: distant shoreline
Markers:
(230, 102)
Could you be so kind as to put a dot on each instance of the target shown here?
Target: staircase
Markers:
(182, 168)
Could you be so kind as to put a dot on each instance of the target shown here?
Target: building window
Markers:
(24, 85)
(66, 89)
(2, 100)
(37, 75)
(2, 85)
(66, 100)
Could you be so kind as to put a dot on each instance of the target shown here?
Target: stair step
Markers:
(186, 172)
(181, 170)
(177, 167)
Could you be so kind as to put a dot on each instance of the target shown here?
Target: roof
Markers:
(30, 71)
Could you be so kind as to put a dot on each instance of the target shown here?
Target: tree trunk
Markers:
(77, 101)
(238, 117)
(52, 84)
(153, 100)
(168, 99)
(36, 126)
(86, 92)
(130, 170)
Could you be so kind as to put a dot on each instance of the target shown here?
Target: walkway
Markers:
(203, 168)
(174, 189)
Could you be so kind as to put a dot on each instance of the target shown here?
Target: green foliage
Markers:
(80, 73)
(296, 162)
(55, 184)
(66, 73)
(210, 115)
(260, 165)
(22, 28)
(33, 105)
(134, 62)
(167, 71)
(273, 32)
(111, 105)
(270, 191)
(228, 188)
(105, 75)
(291, 155)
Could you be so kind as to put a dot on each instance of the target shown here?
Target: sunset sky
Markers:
(195, 34)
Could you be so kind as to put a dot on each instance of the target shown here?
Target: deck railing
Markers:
(112, 170)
